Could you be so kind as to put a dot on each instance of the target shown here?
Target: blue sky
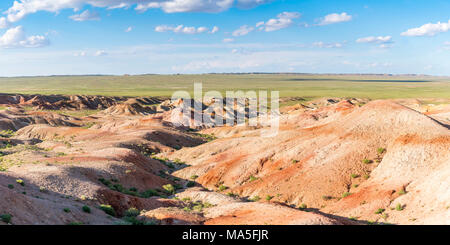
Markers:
(49, 37)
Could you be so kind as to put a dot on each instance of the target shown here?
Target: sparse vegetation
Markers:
(269, 197)
(253, 178)
(367, 161)
(380, 211)
(86, 209)
(303, 206)
(132, 212)
(381, 150)
(66, 210)
(254, 199)
(6, 218)
(399, 207)
(346, 194)
(326, 198)
(169, 188)
(108, 209)
(20, 182)
(222, 188)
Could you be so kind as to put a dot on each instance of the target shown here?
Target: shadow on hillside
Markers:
(344, 220)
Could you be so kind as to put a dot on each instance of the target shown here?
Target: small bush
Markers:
(108, 209)
(303, 206)
(66, 210)
(194, 177)
(169, 188)
(11, 186)
(402, 192)
(222, 188)
(75, 223)
(132, 212)
(269, 197)
(354, 176)
(255, 199)
(380, 211)
(20, 182)
(326, 198)
(6, 218)
(190, 184)
(346, 194)
(253, 178)
(381, 150)
(86, 209)
(367, 161)
(231, 194)
(399, 207)
(148, 193)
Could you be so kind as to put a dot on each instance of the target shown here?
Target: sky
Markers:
(76, 37)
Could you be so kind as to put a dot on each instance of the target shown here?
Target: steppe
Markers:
(351, 150)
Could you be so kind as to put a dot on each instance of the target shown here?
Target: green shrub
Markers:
(399, 207)
(75, 223)
(11, 186)
(346, 194)
(269, 197)
(303, 206)
(20, 182)
(222, 188)
(132, 212)
(108, 209)
(255, 199)
(381, 150)
(148, 193)
(169, 188)
(354, 176)
(6, 218)
(380, 211)
(367, 161)
(253, 178)
(190, 184)
(86, 209)
(66, 210)
(194, 177)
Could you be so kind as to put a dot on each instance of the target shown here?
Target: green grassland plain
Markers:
(289, 85)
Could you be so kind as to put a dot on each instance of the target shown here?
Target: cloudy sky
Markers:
(49, 37)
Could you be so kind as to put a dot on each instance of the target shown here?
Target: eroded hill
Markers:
(334, 161)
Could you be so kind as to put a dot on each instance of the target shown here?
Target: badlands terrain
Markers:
(119, 160)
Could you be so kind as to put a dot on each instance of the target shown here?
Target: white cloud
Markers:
(214, 30)
(228, 40)
(250, 3)
(15, 38)
(283, 20)
(428, 30)
(328, 45)
(22, 8)
(373, 39)
(3, 23)
(130, 28)
(335, 18)
(80, 54)
(101, 53)
(447, 45)
(243, 30)
(86, 15)
(185, 29)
